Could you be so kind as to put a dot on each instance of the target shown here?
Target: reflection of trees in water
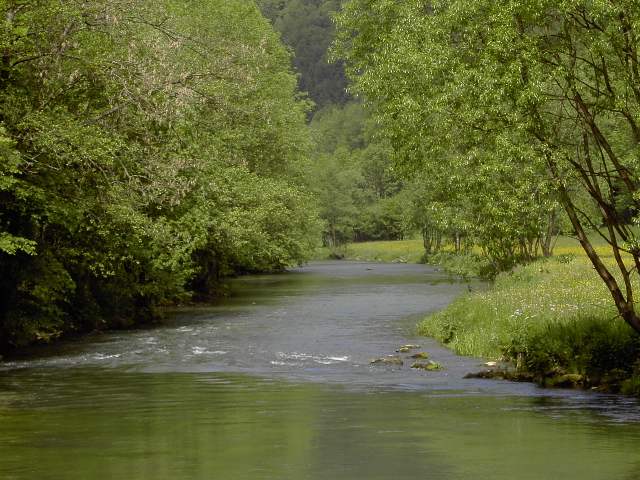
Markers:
(380, 435)
(634, 473)
(166, 426)
(600, 411)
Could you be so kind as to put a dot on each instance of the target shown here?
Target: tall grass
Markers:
(554, 317)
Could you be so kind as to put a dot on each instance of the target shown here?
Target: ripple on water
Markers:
(315, 358)
(204, 351)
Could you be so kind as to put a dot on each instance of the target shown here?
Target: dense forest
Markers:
(146, 153)
(366, 191)
(307, 28)
(360, 195)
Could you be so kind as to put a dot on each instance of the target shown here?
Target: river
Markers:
(275, 383)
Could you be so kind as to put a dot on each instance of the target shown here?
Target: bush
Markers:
(463, 264)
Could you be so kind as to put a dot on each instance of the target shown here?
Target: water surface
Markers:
(275, 383)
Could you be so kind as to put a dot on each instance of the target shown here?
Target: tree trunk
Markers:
(625, 306)
(547, 241)
(427, 241)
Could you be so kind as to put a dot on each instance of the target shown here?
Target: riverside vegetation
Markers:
(549, 321)
(521, 120)
(553, 320)
(147, 152)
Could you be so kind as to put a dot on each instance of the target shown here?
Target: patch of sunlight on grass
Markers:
(412, 251)
(520, 304)
(395, 251)
(404, 251)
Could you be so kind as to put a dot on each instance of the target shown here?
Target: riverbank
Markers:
(553, 320)
(392, 251)
(407, 251)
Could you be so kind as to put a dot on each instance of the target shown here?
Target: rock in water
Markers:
(390, 360)
(430, 366)
(420, 356)
(407, 348)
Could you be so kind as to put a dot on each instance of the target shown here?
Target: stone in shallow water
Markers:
(390, 360)
(407, 348)
(420, 356)
(430, 366)
(510, 375)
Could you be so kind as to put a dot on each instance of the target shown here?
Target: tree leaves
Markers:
(146, 148)
(548, 90)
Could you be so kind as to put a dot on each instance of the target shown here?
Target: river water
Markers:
(275, 383)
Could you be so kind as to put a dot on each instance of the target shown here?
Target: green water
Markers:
(275, 384)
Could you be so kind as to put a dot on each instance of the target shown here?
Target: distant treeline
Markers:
(147, 150)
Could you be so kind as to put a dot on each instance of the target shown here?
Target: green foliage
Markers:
(358, 190)
(10, 185)
(522, 106)
(147, 152)
(591, 347)
(465, 264)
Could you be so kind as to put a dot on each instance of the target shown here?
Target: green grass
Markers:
(408, 251)
(554, 317)
(485, 324)
(396, 251)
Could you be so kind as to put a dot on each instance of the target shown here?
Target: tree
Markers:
(149, 152)
(549, 85)
(306, 26)
(356, 186)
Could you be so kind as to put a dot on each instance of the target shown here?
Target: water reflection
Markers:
(87, 424)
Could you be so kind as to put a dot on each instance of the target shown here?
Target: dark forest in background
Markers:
(307, 28)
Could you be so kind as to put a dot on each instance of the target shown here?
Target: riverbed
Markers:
(275, 382)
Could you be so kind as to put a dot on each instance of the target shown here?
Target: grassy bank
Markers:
(554, 319)
(407, 251)
(394, 251)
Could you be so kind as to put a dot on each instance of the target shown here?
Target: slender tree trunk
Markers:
(625, 306)
(427, 241)
(547, 241)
